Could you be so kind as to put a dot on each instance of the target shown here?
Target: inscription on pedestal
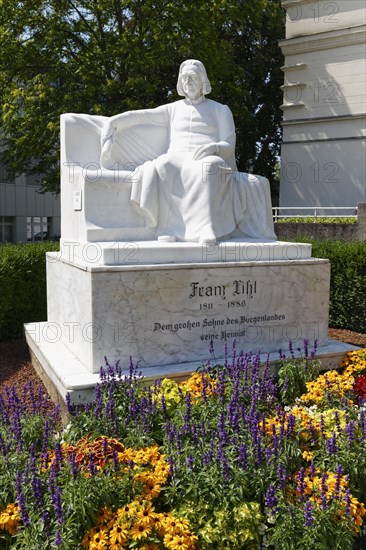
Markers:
(177, 315)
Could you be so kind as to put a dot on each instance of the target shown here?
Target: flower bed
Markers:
(233, 458)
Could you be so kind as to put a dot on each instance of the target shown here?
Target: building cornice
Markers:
(289, 3)
(325, 40)
(322, 119)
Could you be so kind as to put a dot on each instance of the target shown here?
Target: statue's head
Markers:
(195, 69)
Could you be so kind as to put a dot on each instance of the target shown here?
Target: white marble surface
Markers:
(169, 314)
(69, 375)
(163, 172)
(153, 252)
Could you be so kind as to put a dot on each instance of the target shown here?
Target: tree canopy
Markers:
(108, 56)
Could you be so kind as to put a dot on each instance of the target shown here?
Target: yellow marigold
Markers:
(135, 522)
(333, 382)
(145, 515)
(303, 418)
(308, 455)
(104, 516)
(197, 382)
(354, 361)
(99, 540)
(119, 534)
(10, 519)
(178, 542)
(312, 487)
(139, 531)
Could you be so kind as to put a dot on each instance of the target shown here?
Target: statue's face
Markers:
(191, 83)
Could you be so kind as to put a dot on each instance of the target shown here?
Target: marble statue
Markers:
(185, 182)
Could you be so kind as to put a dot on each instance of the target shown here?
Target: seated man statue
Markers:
(193, 191)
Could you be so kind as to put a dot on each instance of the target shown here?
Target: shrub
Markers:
(347, 282)
(23, 286)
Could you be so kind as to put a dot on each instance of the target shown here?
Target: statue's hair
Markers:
(199, 68)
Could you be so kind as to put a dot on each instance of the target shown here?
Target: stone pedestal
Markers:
(168, 317)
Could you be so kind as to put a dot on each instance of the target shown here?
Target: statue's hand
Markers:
(205, 151)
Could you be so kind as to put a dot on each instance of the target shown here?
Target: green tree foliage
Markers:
(108, 56)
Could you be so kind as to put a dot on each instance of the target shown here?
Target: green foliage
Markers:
(23, 286)
(293, 375)
(347, 282)
(107, 57)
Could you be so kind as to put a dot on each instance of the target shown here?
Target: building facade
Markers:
(323, 153)
(25, 213)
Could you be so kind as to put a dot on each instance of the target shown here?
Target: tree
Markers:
(107, 56)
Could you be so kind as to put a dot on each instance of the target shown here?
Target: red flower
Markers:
(360, 386)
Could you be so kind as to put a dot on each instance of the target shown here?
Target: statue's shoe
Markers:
(207, 238)
(167, 239)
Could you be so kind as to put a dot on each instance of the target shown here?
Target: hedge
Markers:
(347, 282)
(23, 295)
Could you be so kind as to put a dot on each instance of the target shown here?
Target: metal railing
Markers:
(315, 212)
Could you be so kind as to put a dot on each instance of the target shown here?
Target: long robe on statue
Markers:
(188, 198)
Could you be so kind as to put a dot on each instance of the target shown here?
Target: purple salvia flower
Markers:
(105, 447)
(71, 409)
(58, 457)
(57, 505)
(269, 452)
(163, 407)
(58, 539)
(306, 348)
(291, 423)
(36, 484)
(347, 498)
(91, 465)
(115, 460)
(290, 508)
(350, 431)
(312, 470)
(301, 484)
(4, 449)
(190, 461)
(308, 516)
(224, 463)
(187, 414)
(291, 349)
(172, 465)
(75, 470)
(17, 427)
(282, 476)
(324, 491)
(221, 428)
(270, 499)
(363, 425)
(312, 431)
(207, 457)
(337, 422)
(339, 472)
(315, 347)
(203, 429)
(21, 500)
(98, 405)
(322, 425)
(331, 445)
